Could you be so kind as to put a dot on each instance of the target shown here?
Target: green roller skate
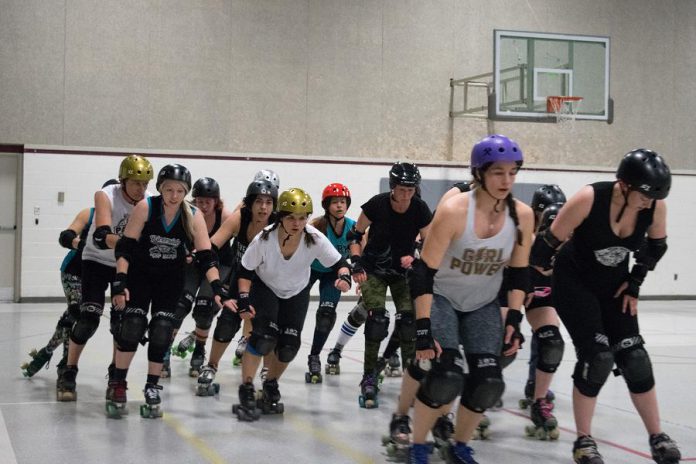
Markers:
(39, 359)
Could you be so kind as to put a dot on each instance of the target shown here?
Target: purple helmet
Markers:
(495, 148)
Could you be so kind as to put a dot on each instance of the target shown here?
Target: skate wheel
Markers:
(216, 388)
(143, 411)
(33, 353)
(361, 401)
(554, 434)
(523, 403)
(112, 411)
(385, 440)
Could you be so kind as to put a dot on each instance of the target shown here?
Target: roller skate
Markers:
(393, 367)
(269, 403)
(314, 365)
(65, 387)
(206, 386)
(545, 424)
(585, 451)
(442, 432)
(664, 450)
(419, 453)
(368, 392)
(246, 409)
(528, 399)
(185, 346)
(197, 361)
(399, 438)
(239, 352)
(333, 360)
(151, 409)
(109, 376)
(483, 430)
(166, 365)
(116, 402)
(459, 453)
(39, 359)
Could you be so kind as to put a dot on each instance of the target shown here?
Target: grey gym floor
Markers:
(322, 423)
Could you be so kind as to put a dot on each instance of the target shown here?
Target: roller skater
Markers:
(596, 295)
(368, 392)
(197, 360)
(152, 408)
(274, 290)
(333, 362)
(545, 424)
(246, 410)
(269, 403)
(663, 449)
(455, 290)
(314, 367)
(117, 399)
(241, 347)
(395, 219)
(185, 346)
(151, 260)
(335, 200)
(206, 386)
(398, 441)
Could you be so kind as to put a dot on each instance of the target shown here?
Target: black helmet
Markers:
(261, 187)
(547, 195)
(646, 172)
(406, 174)
(549, 215)
(174, 172)
(206, 187)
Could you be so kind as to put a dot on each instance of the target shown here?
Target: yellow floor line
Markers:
(207, 452)
(326, 437)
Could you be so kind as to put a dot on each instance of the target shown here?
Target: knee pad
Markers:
(227, 326)
(416, 370)
(183, 306)
(634, 364)
(288, 345)
(358, 315)
(377, 325)
(203, 313)
(444, 381)
(133, 328)
(115, 318)
(592, 369)
(264, 337)
(326, 318)
(160, 331)
(87, 323)
(550, 348)
(483, 385)
(406, 326)
(505, 361)
(66, 320)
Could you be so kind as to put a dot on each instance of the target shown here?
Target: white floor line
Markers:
(6, 452)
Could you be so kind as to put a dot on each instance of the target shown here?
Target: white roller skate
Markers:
(206, 386)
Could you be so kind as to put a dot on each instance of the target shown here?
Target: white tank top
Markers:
(120, 212)
(472, 269)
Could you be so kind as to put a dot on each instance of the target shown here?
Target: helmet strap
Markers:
(289, 235)
(333, 223)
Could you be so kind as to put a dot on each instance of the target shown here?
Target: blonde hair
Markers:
(186, 210)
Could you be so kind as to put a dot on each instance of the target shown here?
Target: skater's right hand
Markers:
(119, 291)
(244, 308)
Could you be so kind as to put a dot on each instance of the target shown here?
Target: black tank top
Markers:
(225, 252)
(161, 244)
(595, 251)
(241, 242)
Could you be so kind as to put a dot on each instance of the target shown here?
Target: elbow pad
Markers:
(99, 237)
(421, 279)
(125, 248)
(354, 235)
(463, 186)
(205, 260)
(543, 249)
(518, 279)
(651, 251)
(66, 238)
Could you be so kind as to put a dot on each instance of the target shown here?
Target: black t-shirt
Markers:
(392, 234)
(595, 252)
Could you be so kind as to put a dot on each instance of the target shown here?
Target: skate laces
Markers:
(585, 446)
(544, 407)
(152, 391)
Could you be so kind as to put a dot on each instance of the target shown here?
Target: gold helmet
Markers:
(295, 201)
(135, 167)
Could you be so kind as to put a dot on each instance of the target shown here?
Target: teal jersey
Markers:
(340, 243)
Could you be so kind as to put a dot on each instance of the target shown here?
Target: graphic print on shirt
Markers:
(164, 248)
(479, 261)
(612, 256)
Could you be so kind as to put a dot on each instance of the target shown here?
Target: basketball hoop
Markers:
(564, 107)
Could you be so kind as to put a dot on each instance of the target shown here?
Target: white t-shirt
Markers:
(288, 277)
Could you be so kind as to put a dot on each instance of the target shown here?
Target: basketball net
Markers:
(565, 108)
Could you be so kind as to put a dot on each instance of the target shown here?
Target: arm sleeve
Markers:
(371, 208)
(253, 256)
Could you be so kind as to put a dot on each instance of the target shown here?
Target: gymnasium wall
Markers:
(78, 172)
(325, 78)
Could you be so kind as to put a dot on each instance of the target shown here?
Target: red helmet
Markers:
(334, 190)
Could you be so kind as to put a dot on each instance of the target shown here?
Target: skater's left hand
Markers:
(630, 298)
(343, 283)
(513, 337)
(119, 301)
(406, 261)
